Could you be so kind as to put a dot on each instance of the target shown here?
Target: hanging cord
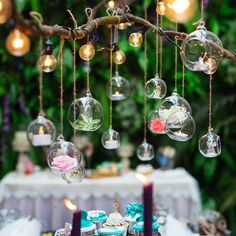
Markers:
(176, 62)
(74, 80)
(145, 78)
(202, 10)
(161, 48)
(60, 56)
(110, 81)
(41, 112)
(183, 79)
(116, 39)
(88, 71)
(210, 102)
(157, 42)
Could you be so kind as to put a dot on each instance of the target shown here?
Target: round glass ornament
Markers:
(155, 124)
(209, 145)
(202, 51)
(172, 104)
(145, 152)
(63, 157)
(156, 88)
(86, 113)
(119, 57)
(110, 139)
(136, 39)
(180, 126)
(47, 63)
(75, 176)
(120, 88)
(41, 132)
(87, 52)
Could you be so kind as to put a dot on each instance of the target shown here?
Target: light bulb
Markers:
(111, 4)
(5, 10)
(135, 39)
(47, 63)
(180, 6)
(87, 52)
(122, 26)
(161, 8)
(119, 57)
(17, 43)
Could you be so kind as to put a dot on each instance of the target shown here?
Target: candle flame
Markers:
(142, 178)
(41, 130)
(70, 205)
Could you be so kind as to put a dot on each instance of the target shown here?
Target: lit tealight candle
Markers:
(117, 96)
(41, 139)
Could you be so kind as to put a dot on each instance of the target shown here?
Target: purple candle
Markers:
(148, 204)
(76, 225)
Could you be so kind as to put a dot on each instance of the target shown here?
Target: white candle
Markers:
(117, 96)
(41, 139)
(111, 144)
(180, 134)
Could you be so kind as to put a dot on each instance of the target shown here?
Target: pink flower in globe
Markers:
(64, 163)
(157, 125)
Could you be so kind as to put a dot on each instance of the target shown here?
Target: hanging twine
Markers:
(145, 77)
(60, 56)
(74, 80)
(161, 48)
(210, 102)
(157, 41)
(176, 61)
(202, 10)
(88, 70)
(183, 79)
(41, 112)
(110, 81)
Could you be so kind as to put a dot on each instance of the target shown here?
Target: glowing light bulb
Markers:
(87, 52)
(180, 6)
(119, 57)
(135, 39)
(47, 63)
(161, 8)
(122, 26)
(17, 43)
(5, 10)
(111, 4)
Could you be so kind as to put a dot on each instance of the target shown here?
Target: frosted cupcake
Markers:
(98, 217)
(116, 220)
(132, 212)
(87, 227)
(111, 231)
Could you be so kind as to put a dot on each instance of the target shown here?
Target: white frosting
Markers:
(144, 168)
(115, 219)
(89, 228)
(95, 213)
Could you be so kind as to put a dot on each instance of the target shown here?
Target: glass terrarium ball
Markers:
(145, 152)
(63, 157)
(120, 88)
(209, 145)
(173, 104)
(202, 51)
(136, 39)
(110, 139)
(86, 113)
(155, 124)
(156, 88)
(47, 63)
(41, 132)
(180, 126)
(75, 176)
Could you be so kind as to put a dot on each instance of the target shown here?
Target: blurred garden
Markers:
(19, 91)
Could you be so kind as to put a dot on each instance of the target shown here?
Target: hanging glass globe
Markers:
(75, 176)
(63, 157)
(156, 88)
(110, 139)
(155, 124)
(145, 152)
(86, 113)
(41, 132)
(172, 104)
(180, 126)
(120, 88)
(202, 51)
(209, 145)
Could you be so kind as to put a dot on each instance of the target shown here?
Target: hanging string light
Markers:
(41, 131)
(209, 144)
(87, 52)
(111, 138)
(17, 43)
(5, 10)
(145, 151)
(63, 156)
(136, 39)
(161, 8)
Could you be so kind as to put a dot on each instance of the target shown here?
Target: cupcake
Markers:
(111, 231)
(132, 212)
(87, 227)
(98, 217)
(116, 220)
(139, 227)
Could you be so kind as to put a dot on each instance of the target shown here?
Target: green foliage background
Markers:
(19, 78)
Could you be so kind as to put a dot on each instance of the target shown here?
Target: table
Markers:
(41, 194)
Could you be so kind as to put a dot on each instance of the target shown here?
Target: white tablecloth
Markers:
(41, 194)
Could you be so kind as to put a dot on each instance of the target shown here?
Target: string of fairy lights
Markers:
(200, 51)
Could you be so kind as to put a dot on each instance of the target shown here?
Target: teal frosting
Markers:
(134, 208)
(84, 222)
(102, 216)
(111, 231)
(140, 226)
(140, 219)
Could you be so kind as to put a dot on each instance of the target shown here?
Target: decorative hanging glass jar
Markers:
(63, 157)
(75, 176)
(111, 139)
(41, 132)
(155, 124)
(202, 51)
(120, 88)
(156, 88)
(145, 152)
(86, 113)
(209, 145)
